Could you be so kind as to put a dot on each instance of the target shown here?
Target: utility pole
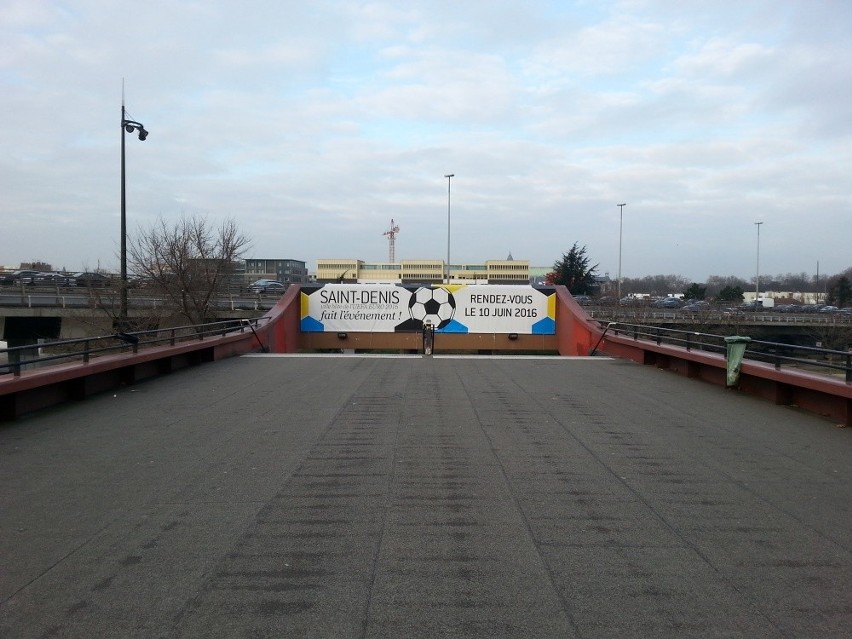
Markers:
(620, 225)
(757, 277)
(449, 177)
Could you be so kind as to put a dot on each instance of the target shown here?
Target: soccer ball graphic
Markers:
(434, 304)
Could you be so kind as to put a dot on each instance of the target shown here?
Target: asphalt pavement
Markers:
(349, 496)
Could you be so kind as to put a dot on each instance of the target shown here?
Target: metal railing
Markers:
(718, 316)
(13, 297)
(84, 348)
(824, 360)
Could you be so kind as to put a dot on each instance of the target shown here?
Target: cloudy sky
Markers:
(313, 123)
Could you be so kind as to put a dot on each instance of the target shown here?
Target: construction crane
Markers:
(391, 235)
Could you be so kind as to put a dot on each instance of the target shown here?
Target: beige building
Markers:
(423, 271)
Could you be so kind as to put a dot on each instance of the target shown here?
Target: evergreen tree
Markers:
(840, 293)
(573, 271)
(695, 292)
(731, 294)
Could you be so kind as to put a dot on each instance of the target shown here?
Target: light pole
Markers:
(127, 126)
(449, 177)
(757, 277)
(620, 225)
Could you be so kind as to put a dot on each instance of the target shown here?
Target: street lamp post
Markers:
(757, 276)
(620, 225)
(127, 126)
(449, 177)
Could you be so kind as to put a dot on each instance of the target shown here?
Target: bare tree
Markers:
(187, 263)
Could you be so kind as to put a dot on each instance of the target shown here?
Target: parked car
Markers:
(266, 286)
(750, 307)
(810, 308)
(668, 302)
(23, 276)
(828, 310)
(53, 279)
(86, 278)
(696, 306)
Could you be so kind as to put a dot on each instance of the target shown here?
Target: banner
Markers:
(388, 308)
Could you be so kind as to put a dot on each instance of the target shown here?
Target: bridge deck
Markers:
(406, 497)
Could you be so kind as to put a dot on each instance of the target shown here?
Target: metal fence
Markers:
(719, 316)
(109, 299)
(13, 360)
(823, 360)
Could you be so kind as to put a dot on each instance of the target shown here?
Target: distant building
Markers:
(422, 272)
(538, 274)
(793, 297)
(602, 283)
(286, 271)
(44, 267)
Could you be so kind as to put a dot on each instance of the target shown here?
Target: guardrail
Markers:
(778, 354)
(84, 348)
(106, 298)
(718, 317)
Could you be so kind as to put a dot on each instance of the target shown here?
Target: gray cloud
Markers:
(312, 124)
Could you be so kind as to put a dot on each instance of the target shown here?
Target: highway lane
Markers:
(77, 298)
(74, 297)
(424, 497)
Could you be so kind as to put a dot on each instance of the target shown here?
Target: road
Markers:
(287, 496)
(89, 298)
(719, 317)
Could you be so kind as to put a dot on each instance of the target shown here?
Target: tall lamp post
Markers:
(620, 225)
(127, 126)
(757, 276)
(449, 177)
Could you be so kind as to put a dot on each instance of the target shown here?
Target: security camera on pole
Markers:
(127, 126)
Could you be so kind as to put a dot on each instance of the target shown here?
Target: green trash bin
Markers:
(735, 349)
